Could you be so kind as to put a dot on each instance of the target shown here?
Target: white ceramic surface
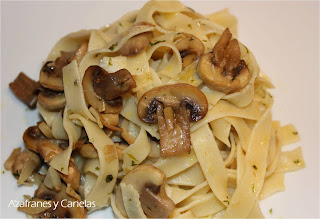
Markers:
(284, 37)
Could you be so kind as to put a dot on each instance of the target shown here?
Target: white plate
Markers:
(284, 37)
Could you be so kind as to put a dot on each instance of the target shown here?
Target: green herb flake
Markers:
(109, 178)
(226, 201)
(253, 188)
(61, 169)
(189, 25)
(110, 62)
(130, 200)
(270, 210)
(295, 133)
(254, 167)
(16, 174)
(97, 168)
(137, 69)
(75, 83)
(121, 25)
(133, 163)
(178, 33)
(159, 41)
(112, 46)
(3, 172)
(205, 41)
(297, 161)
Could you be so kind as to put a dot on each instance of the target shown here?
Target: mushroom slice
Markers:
(32, 137)
(136, 44)
(25, 89)
(63, 210)
(149, 181)
(173, 106)
(26, 161)
(51, 74)
(48, 151)
(222, 68)
(52, 100)
(102, 88)
(190, 48)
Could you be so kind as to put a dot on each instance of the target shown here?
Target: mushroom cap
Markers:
(147, 179)
(51, 74)
(32, 137)
(175, 96)
(136, 44)
(103, 90)
(213, 76)
(52, 100)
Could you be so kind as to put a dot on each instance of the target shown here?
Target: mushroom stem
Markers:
(174, 128)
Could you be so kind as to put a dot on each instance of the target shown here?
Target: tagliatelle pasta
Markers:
(163, 113)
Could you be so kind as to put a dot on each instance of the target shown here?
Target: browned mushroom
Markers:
(173, 106)
(149, 181)
(25, 89)
(190, 48)
(111, 121)
(25, 161)
(61, 197)
(51, 72)
(137, 43)
(32, 137)
(52, 100)
(222, 68)
(48, 151)
(102, 90)
(88, 151)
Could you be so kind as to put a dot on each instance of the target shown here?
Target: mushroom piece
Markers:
(149, 181)
(25, 89)
(48, 151)
(52, 100)
(21, 160)
(190, 48)
(88, 151)
(32, 137)
(222, 68)
(51, 76)
(173, 106)
(62, 210)
(103, 90)
(136, 44)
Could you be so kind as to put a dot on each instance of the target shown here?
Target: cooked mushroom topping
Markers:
(51, 73)
(149, 181)
(48, 151)
(102, 88)
(190, 48)
(222, 68)
(88, 151)
(52, 100)
(25, 89)
(111, 121)
(173, 106)
(76, 211)
(136, 44)
(21, 161)
(32, 137)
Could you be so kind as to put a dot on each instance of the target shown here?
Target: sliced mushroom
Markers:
(22, 160)
(62, 211)
(48, 151)
(25, 89)
(173, 106)
(222, 68)
(51, 76)
(88, 151)
(149, 181)
(136, 44)
(111, 121)
(130, 131)
(9, 162)
(102, 88)
(32, 137)
(52, 100)
(190, 48)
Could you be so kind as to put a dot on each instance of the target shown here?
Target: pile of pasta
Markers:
(235, 158)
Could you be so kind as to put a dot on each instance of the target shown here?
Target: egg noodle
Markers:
(235, 159)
